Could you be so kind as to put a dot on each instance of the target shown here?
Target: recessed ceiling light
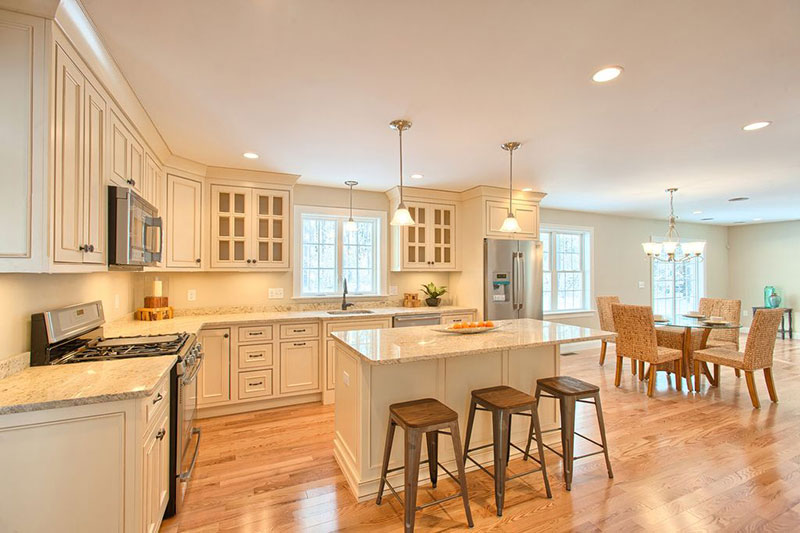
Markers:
(707, 218)
(417, 176)
(757, 125)
(738, 199)
(757, 219)
(607, 74)
(739, 222)
(527, 189)
(698, 212)
(250, 155)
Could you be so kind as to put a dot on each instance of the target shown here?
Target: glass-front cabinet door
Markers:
(430, 243)
(270, 228)
(230, 217)
(442, 229)
(415, 246)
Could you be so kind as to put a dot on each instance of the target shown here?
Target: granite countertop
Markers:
(50, 387)
(125, 327)
(402, 345)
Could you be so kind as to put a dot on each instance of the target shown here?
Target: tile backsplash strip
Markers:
(15, 363)
(282, 308)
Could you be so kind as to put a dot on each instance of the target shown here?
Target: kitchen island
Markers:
(376, 368)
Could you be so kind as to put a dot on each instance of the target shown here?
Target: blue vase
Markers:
(774, 300)
(769, 290)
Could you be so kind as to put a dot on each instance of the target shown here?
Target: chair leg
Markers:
(432, 439)
(568, 437)
(737, 372)
(462, 476)
(602, 425)
(651, 385)
(500, 438)
(679, 375)
(751, 388)
(618, 372)
(387, 453)
(603, 347)
(773, 394)
(538, 429)
(411, 471)
(470, 421)
(716, 375)
(633, 366)
(641, 370)
(696, 375)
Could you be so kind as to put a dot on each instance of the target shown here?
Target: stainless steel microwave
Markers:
(135, 231)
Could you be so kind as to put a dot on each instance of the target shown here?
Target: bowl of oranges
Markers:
(466, 328)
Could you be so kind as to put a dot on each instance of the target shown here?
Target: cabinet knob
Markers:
(161, 433)
(248, 261)
(91, 247)
(254, 261)
(132, 182)
(83, 247)
(225, 336)
(197, 260)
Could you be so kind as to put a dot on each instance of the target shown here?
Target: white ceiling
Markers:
(312, 85)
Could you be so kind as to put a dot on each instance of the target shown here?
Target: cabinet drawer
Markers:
(255, 356)
(156, 401)
(347, 325)
(299, 331)
(255, 333)
(255, 384)
(462, 317)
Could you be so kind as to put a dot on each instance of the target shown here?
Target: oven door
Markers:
(187, 409)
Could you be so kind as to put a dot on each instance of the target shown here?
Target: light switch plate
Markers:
(275, 293)
(191, 295)
(392, 290)
(641, 284)
(745, 312)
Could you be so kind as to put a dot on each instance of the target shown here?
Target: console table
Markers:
(786, 311)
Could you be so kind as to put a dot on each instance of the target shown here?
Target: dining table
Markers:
(689, 323)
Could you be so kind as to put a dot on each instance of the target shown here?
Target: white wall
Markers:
(620, 263)
(765, 254)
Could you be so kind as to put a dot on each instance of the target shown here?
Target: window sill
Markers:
(580, 313)
(353, 297)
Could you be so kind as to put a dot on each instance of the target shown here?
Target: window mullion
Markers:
(339, 255)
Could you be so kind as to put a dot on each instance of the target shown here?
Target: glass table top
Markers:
(681, 321)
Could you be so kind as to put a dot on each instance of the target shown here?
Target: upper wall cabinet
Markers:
(127, 158)
(527, 214)
(184, 222)
(249, 228)
(430, 244)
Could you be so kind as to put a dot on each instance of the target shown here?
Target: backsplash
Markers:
(282, 308)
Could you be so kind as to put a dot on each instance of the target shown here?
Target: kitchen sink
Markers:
(353, 312)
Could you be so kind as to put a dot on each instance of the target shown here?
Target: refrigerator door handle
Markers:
(521, 284)
(515, 281)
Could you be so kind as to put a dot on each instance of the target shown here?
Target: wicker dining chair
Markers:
(636, 338)
(730, 310)
(757, 354)
(606, 321)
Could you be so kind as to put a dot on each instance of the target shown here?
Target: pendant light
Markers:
(675, 250)
(401, 216)
(510, 224)
(350, 225)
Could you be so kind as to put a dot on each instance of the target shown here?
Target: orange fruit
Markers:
(473, 325)
(457, 325)
(489, 324)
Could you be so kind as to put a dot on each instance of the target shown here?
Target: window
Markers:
(566, 261)
(326, 253)
(677, 287)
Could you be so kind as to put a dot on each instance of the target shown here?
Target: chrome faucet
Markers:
(345, 304)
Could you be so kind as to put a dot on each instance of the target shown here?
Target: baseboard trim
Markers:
(246, 407)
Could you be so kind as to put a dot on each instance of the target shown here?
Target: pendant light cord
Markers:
(400, 131)
(510, 179)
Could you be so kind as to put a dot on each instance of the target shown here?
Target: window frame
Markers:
(587, 251)
(701, 275)
(340, 214)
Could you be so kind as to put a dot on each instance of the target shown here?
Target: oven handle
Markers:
(191, 377)
(188, 474)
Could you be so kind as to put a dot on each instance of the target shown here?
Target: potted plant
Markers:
(433, 294)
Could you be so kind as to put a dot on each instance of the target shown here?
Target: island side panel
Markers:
(525, 366)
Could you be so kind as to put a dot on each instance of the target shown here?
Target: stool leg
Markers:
(532, 428)
(508, 446)
(568, 436)
(538, 429)
(462, 476)
(387, 452)
(412, 452)
(470, 421)
(602, 425)
(432, 438)
(500, 436)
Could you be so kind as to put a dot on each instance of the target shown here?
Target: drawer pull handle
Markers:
(255, 333)
(161, 433)
(299, 344)
(158, 398)
(254, 355)
(255, 383)
(299, 330)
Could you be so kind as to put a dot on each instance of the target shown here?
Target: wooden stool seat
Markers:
(502, 397)
(422, 413)
(567, 386)
(431, 418)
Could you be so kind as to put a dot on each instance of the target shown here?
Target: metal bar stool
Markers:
(569, 391)
(429, 417)
(503, 402)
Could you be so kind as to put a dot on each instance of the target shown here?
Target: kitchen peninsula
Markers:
(379, 367)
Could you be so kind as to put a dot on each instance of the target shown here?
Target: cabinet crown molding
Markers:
(485, 191)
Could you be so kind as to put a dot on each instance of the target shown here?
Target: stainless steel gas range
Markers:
(74, 335)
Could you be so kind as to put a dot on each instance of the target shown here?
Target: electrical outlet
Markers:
(191, 295)
(745, 312)
(275, 293)
(392, 290)
(346, 378)
(641, 284)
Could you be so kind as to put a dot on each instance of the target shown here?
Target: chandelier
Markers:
(672, 247)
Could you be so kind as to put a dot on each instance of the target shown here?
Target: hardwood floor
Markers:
(682, 461)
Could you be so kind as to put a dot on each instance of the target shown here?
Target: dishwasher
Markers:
(407, 321)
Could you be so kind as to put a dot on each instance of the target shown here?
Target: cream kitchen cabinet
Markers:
(299, 364)
(184, 222)
(127, 155)
(429, 244)
(155, 473)
(527, 214)
(214, 377)
(79, 146)
(457, 317)
(249, 228)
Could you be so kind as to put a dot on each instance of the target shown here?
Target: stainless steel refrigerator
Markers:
(512, 279)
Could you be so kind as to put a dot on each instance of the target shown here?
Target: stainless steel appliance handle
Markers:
(514, 280)
(184, 476)
(191, 377)
(521, 285)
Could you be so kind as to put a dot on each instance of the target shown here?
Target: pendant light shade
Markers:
(351, 225)
(401, 216)
(510, 224)
(672, 250)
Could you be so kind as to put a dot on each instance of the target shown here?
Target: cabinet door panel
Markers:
(527, 215)
(230, 227)
(68, 221)
(214, 379)
(183, 222)
(299, 366)
(120, 168)
(442, 236)
(93, 173)
(270, 229)
(136, 159)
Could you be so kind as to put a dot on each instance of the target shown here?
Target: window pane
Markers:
(327, 280)
(327, 256)
(310, 231)
(545, 251)
(349, 256)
